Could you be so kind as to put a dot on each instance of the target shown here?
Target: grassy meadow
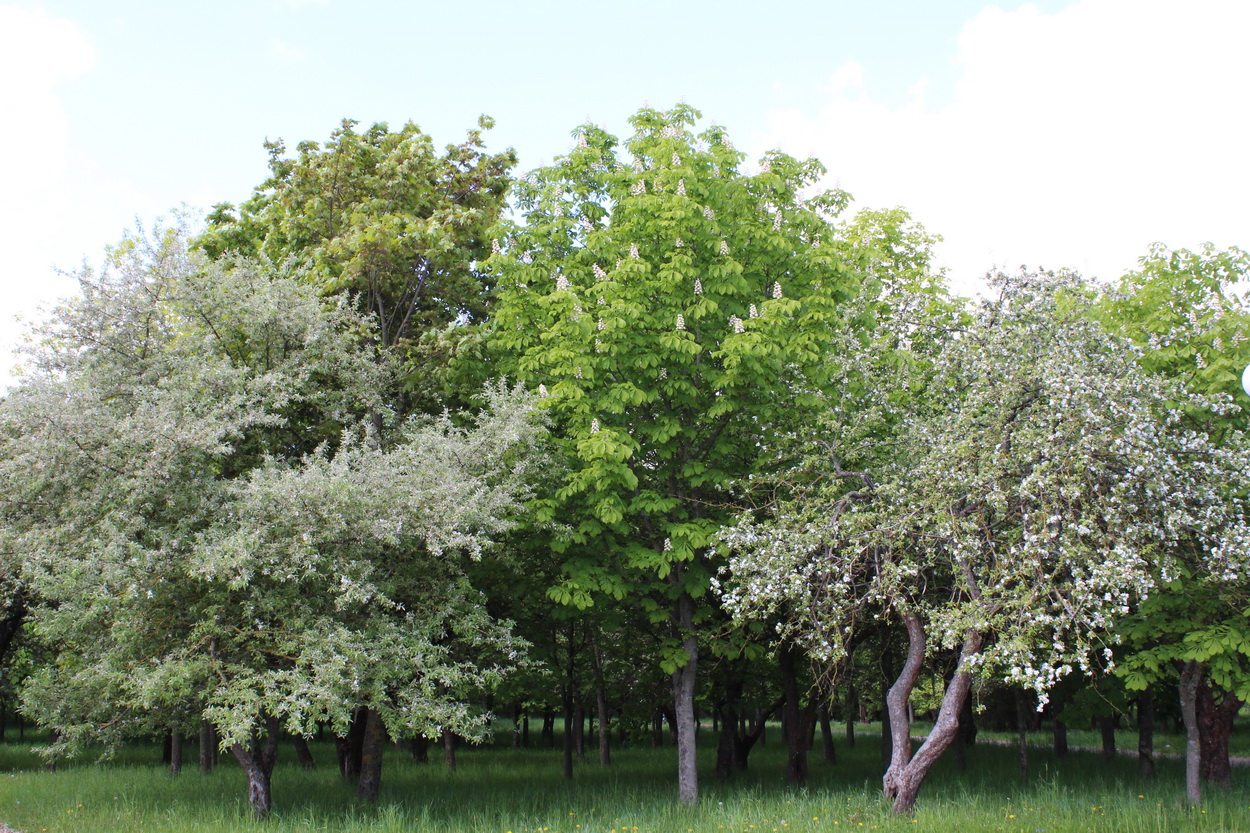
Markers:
(496, 789)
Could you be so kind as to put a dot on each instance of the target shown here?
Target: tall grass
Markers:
(498, 789)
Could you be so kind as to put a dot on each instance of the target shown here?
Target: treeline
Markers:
(642, 436)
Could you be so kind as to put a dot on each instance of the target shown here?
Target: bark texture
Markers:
(371, 757)
(1192, 673)
(684, 679)
(257, 758)
(907, 772)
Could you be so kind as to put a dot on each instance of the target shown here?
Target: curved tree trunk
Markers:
(907, 772)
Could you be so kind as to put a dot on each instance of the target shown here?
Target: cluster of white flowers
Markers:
(681, 187)
(640, 188)
(562, 283)
(777, 289)
(681, 321)
(724, 247)
(594, 426)
(753, 313)
(736, 323)
(494, 246)
(633, 251)
(680, 243)
(709, 213)
(676, 160)
(1050, 480)
(600, 275)
(698, 286)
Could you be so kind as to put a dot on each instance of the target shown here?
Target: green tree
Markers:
(672, 311)
(211, 526)
(382, 217)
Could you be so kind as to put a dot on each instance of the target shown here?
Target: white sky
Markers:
(1050, 134)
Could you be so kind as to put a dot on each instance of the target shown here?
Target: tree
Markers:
(1182, 311)
(1025, 505)
(383, 218)
(212, 527)
(670, 309)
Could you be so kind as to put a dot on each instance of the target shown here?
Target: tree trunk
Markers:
(302, 753)
(1060, 730)
(349, 748)
(257, 758)
(579, 729)
(852, 710)
(449, 749)
(1146, 734)
(549, 727)
(826, 736)
(175, 752)
(684, 679)
(1215, 724)
(1022, 721)
(516, 724)
(903, 780)
(421, 749)
(208, 746)
(1106, 726)
(726, 744)
(1191, 676)
(373, 741)
(601, 706)
(792, 717)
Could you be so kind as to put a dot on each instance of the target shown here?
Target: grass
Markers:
(497, 790)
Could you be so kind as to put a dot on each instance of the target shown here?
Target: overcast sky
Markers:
(1050, 134)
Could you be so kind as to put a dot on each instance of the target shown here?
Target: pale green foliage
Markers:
(212, 529)
(1030, 498)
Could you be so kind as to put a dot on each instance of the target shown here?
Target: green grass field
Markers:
(499, 790)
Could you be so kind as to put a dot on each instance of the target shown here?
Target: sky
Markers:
(1048, 134)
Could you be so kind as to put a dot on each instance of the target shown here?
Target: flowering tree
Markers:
(1042, 482)
(212, 531)
(672, 311)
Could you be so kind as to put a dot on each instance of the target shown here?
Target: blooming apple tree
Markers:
(1042, 483)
